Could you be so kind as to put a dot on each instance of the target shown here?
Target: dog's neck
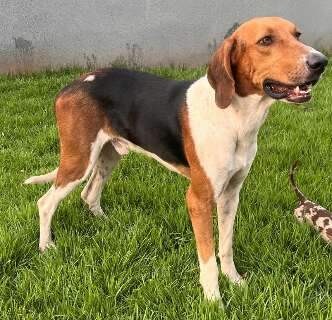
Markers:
(250, 112)
(245, 114)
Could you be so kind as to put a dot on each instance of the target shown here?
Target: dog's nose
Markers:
(317, 61)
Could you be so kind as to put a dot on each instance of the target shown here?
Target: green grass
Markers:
(141, 262)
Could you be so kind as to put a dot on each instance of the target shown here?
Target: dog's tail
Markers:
(291, 172)
(45, 178)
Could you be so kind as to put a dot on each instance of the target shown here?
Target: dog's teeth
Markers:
(297, 90)
(307, 90)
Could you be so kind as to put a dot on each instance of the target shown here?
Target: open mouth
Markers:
(293, 93)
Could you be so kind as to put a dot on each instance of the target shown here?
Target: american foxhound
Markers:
(205, 130)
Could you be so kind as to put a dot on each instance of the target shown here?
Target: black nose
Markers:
(317, 61)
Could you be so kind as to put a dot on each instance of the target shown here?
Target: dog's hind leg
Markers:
(75, 167)
(91, 193)
(81, 125)
(47, 205)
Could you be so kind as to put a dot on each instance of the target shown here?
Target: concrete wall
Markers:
(51, 33)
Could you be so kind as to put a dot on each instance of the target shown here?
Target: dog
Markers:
(205, 130)
(310, 212)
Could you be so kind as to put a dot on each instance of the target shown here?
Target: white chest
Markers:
(225, 139)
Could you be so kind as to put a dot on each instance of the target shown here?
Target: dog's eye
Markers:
(298, 35)
(266, 41)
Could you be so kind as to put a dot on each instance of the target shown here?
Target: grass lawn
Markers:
(141, 263)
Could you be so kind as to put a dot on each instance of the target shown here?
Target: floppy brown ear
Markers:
(220, 74)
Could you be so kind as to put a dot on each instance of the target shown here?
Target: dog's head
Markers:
(265, 56)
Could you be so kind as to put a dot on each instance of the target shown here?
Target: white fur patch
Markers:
(229, 270)
(209, 278)
(225, 139)
(122, 146)
(91, 193)
(96, 146)
(226, 208)
(91, 77)
(314, 51)
(47, 205)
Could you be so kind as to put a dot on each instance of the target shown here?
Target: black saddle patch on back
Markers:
(144, 109)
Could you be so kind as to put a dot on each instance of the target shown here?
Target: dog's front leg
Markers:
(200, 205)
(227, 207)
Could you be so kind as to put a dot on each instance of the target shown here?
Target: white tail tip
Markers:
(48, 177)
(34, 180)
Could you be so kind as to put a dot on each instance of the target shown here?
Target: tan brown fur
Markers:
(78, 120)
(220, 73)
(199, 196)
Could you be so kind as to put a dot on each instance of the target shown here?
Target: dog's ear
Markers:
(220, 74)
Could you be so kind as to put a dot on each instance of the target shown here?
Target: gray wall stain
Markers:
(22, 45)
(90, 61)
(42, 34)
(23, 54)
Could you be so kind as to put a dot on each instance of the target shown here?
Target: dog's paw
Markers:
(212, 295)
(209, 282)
(44, 247)
(98, 212)
(235, 278)
(95, 209)
(238, 280)
(213, 298)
